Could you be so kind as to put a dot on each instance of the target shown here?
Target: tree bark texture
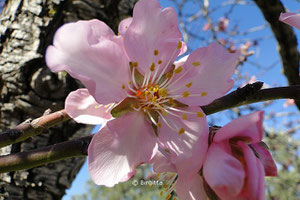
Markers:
(28, 88)
(286, 40)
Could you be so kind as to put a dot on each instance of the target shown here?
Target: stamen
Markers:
(181, 131)
(163, 118)
(203, 94)
(200, 114)
(189, 84)
(185, 94)
(152, 120)
(178, 70)
(156, 52)
(184, 116)
(152, 67)
(196, 64)
(133, 78)
(179, 45)
(123, 87)
(159, 62)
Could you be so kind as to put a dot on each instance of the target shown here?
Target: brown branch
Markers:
(41, 156)
(286, 40)
(30, 128)
(251, 93)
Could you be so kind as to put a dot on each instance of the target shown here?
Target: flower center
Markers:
(152, 93)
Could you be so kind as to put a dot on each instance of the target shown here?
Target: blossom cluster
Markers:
(148, 103)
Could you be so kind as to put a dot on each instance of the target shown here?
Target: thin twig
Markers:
(31, 128)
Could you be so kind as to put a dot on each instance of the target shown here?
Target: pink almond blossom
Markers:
(292, 19)
(235, 166)
(134, 86)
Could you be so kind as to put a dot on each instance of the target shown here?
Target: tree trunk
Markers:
(28, 88)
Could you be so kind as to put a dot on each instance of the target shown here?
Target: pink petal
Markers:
(119, 147)
(124, 25)
(266, 158)
(161, 163)
(209, 72)
(83, 108)
(290, 19)
(89, 51)
(255, 174)
(188, 149)
(192, 189)
(152, 29)
(247, 126)
(223, 172)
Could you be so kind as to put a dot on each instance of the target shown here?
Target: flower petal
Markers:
(266, 158)
(187, 140)
(124, 25)
(292, 19)
(161, 163)
(89, 51)
(247, 126)
(192, 189)
(255, 188)
(83, 108)
(152, 36)
(223, 172)
(205, 76)
(119, 147)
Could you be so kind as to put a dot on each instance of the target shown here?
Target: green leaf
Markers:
(124, 107)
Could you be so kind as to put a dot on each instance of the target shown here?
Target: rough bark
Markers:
(28, 88)
(286, 40)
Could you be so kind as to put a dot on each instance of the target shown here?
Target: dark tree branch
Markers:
(251, 93)
(286, 40)
(44, 155)
(31, 128)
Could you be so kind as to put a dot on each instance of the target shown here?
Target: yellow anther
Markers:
(189, 85)
(168, 75)
(178, 70)
(184, 116)
(164, 113)
(171, 101)
(135, 64)
(168, 197)
(152, 67)
(150, 88)
(163, 92)
(203, 94)
(179, 45)
(165, 185)
(200, 114)
(123, 87)
(147, 93)
(181, 131)
(156, 52)
(118, 33)
(126, 26)
(196, 64)
(154, 99)
(186, 94)
(156, 88)
(159, 62)
(129, 82)
(159, 125)
(162, 193)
